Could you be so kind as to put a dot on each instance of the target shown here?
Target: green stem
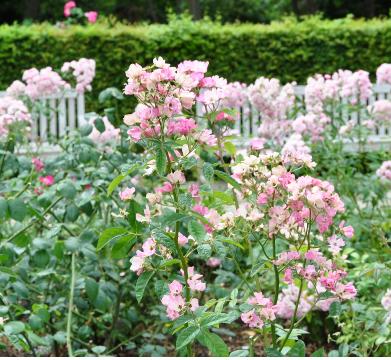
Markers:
(294, 315)
(300, 291)
(182, 259)
(32, 222)
(276, 290)
(223, 164)
(22, 191)
(71, 295)
(242, 275)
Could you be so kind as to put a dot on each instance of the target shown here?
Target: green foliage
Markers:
(288, 50)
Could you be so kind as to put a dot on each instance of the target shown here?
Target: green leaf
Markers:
(122, 246)
(98, 349)
(108, 93)
(161, 288)
(224, 197)
(228, 179)
(231, 149)
(161, 161)
(72, 244)
(110, 114)
(318, 353)
(14, 327)
(334, 353)
(44, 314)
(142, 283)
(171, 218)
(208, 171)
(67, 190)
(114, 184)
(204, 250)
(185, 200)
(165, 240)
(17, 209)
(92, 289)
(41, 258)
(3, 208)
(233, 297)
(234, 243)
(239, 353)
(273, 352)
(335, 309)
(196, 230)
(169, 263)
(37, 340)
(213, 342)
(71, 213)
(210, 319)
(110, 235)
(298, 350)
(86, 129)
(186, 336)
(35, 322)
(99, 124)
(60, 337)
(4, 310)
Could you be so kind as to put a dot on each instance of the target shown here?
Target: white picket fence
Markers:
(249, 119)
(66, 112)
(58, 115)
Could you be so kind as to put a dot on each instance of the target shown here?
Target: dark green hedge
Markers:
(288, 50)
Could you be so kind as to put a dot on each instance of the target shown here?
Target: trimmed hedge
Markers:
(287, 50)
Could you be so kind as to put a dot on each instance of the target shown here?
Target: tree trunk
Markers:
(295, 8)
(31, 9)
(369, 6)
(195, 10)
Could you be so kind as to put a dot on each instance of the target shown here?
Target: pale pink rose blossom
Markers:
(127, 194)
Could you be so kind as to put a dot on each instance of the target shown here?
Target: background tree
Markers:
(257, 11)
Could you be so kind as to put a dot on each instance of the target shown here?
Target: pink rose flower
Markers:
(149, 247)
(213, 262)
(47, 180)
(175, 287)
(348, 231)
(38, 164)
(182, 239)
(127, 194)
(68, 7)
(262, 199)
(91, 16)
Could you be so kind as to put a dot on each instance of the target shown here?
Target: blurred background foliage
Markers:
(157, 11)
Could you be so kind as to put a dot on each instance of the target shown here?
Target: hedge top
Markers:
(288, 50)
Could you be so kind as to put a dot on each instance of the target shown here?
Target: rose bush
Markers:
(162, 229)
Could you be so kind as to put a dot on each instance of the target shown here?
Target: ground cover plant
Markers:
(168, 236)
